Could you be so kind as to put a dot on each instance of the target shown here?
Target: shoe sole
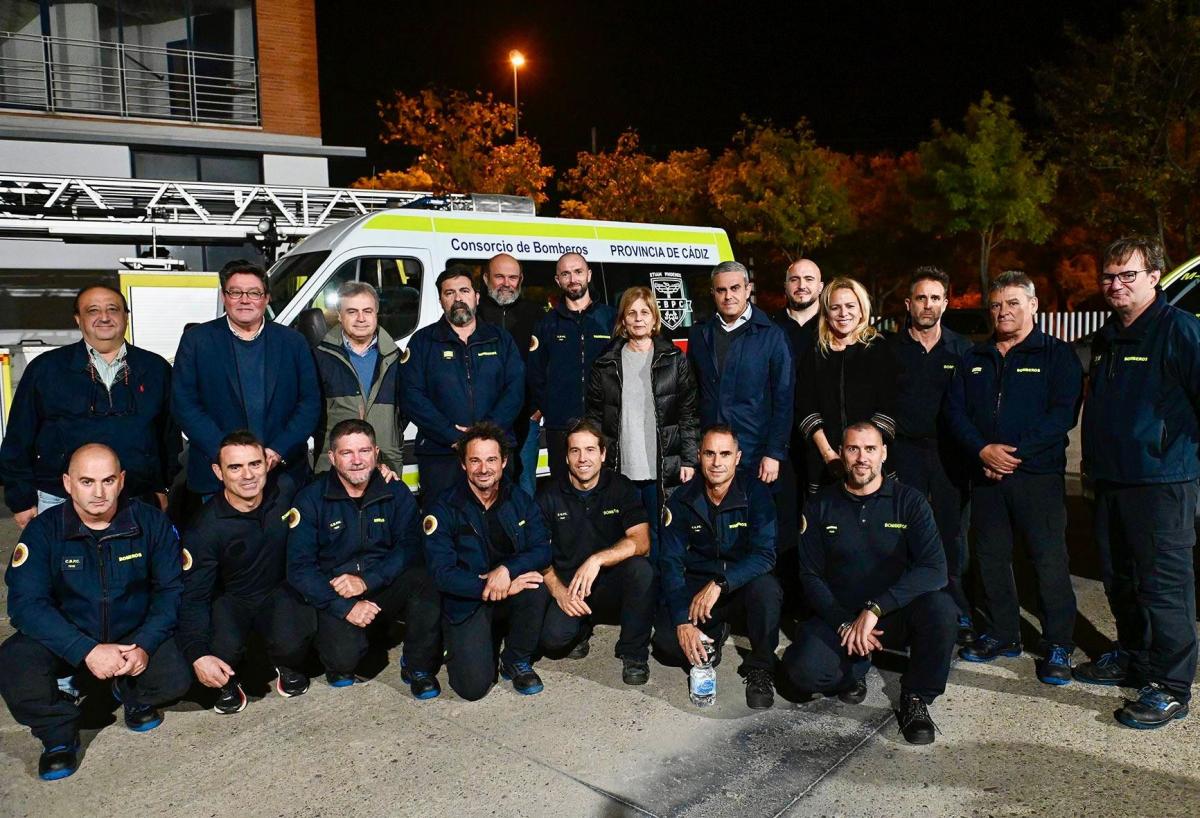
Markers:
(57, 775)
(1050, 680)
(342, 683)
(530, 691)
(761, 705)
(279, 689)
(979, 660)
(1142, 725)
(919, 741)
(240, 708)
(145, 728)
(428, 694)
(1101, 682)
(640, 680)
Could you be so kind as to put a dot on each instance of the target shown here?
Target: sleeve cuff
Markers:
(810, 424)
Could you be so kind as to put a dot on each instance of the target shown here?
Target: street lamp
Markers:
(517, 59)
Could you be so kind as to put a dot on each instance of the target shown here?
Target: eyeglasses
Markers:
(1125, 277)
(238, 295)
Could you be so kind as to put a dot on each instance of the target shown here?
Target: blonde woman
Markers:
(643, 396)
(849, 376)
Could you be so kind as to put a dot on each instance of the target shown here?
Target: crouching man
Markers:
(234, 578)
(354, 554)
(486, 547)
(93, 592)
(873, 569)
(718, 549)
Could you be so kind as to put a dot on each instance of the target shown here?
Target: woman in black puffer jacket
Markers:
(653, 442)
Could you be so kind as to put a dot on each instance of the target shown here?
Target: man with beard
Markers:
(566, 342)
(873, 570)
(457, 372)
(718, 549)
(235, 558)
(802, 289)
(503, 306)
(354, 554)
(923, 455)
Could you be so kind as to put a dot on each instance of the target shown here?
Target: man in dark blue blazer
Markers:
(241, 371)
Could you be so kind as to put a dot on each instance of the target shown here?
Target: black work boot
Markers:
(913, 719)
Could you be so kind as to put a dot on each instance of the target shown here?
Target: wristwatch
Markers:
(723, 584)
(873, 608)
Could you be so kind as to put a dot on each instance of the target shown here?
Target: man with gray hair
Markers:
(358, 366)
(744, 373)
(1010, 406)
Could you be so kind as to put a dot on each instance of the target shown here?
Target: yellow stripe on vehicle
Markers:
(394, 221)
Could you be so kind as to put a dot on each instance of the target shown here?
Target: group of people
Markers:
(800, 465)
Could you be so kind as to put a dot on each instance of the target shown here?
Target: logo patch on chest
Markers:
(447, 355)
(562, 515)
(900, 526)
(608, 512)
(831, 529)
(335, 525)
(72, 563)
(740, 524)
(1137, 359)
(135, 555)
(975, 370)
(1026, 369)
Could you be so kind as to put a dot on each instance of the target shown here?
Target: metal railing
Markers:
(118, 79)
(1070, 326)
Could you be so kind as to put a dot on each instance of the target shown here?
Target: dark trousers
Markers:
(284, 622)
(759, 601)
(413, 598)
(816, 662)
(471, 644)
(788, 493)
(648, 489)
(1034, 507)
(437, 473)
(919, 463)
(29, 674)
(1145, 535)
(556, 452)
(622, 594)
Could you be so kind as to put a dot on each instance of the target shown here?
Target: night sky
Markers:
(868, 76)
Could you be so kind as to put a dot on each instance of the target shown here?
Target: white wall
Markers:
(64, 158)
(21, 254)
(307, 171)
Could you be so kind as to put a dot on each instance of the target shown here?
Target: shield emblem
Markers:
(673, 304)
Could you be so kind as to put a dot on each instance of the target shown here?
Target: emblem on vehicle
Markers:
(676, 310)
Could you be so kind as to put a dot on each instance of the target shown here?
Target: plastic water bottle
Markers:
(702, 680)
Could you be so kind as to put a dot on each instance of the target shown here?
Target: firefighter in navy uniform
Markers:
(873, 570)
(600, 539)
(234, 578)
(1141, 436)
(354, 554)
(93, 592)
(717, 552)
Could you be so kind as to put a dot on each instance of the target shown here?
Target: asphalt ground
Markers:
(591, 746)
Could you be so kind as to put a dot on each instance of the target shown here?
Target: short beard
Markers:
(572, 297)
(853, 480)
(504, 298)
(460, 314)
(357, 478)
(799, 306)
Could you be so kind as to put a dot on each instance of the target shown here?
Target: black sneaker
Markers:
(760, 688)
(339, 679)
(635, 671)
(58, 762)
(1154, 707)
(582, 648)
(1110, 669)
(523, 677)
(290, 682)
(231, 698)
(142, 718)
(719, 643)
(966, 631)
(914, 721)
(1055, 668)
(423, 685)
(987, 647)
(855, 694)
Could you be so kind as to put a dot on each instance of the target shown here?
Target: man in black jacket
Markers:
(873, 570)
(503, 304)
(1010, 407)
(923, 455)
(599, 536)
(234, 566)
(1141, 437)
(354, 554)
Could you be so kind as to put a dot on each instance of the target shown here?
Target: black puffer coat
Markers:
(674, 408)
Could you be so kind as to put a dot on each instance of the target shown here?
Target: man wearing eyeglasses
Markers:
(100, 390)
(1141, 437)
(242, 371)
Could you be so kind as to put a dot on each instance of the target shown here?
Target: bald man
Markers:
(565, 344)
(503, 305)
(93, 592)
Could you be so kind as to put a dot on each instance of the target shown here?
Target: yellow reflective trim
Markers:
(394, 221)
(650, 234)
(724, 251)
(488, 227)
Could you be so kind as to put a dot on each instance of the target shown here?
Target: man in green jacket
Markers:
(357, 363)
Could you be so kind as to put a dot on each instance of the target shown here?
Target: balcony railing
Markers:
(85, 76)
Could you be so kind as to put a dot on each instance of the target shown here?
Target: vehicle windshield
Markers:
(290, 274)
(1184, 292)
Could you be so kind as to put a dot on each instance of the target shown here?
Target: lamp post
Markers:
(517, 59)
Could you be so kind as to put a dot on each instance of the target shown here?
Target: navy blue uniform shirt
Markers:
(1140, 419)
(923, 379)
(72, 588)
(563, 348)
(582, 523)
(882, 548)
